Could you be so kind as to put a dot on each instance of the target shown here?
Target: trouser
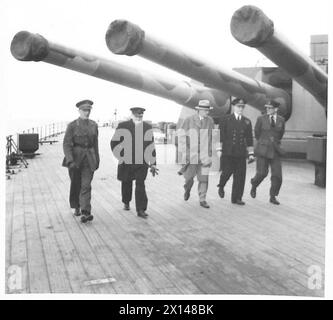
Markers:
(262, 172)
(235, 166)
(139, 174)
(80, 187)
(202, 176)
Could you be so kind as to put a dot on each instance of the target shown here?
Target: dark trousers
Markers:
(80, 188)
(139, 174)
(235, 166)
(262, 172)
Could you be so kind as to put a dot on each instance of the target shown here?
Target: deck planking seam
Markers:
(140, 261)
(216, 237)
(163, 233)
(250, 221)
(125, 214)
(34, 240)
(47, 222)
(94, 221)
(19, 253)
(82, 246)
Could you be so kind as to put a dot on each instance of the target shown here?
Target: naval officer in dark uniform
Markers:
(133, 145)
(269, 130)
(82, 159)
(237, 144)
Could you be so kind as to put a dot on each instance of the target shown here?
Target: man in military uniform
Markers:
(195, 144)
(237, 144)
(269, 130)
(82, 159)
(133, 145)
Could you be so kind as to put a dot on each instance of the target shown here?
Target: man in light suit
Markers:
(195, 143)
(269, 130)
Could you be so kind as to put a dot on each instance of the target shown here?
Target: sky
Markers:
(37, 93)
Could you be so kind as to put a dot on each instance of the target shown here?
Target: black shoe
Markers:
(86, 216)
(142, 214)
(253, 192)
(239, 202)
(76, 212)
(126, 206)
(204, 204)
(274, 201)
(221, 192)
(187, 195)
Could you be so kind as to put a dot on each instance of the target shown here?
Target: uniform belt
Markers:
(82, 146)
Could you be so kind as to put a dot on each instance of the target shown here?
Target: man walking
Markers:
(195, 143)
(269, 130)
(237, 145)
(80, 147)
(133, 145)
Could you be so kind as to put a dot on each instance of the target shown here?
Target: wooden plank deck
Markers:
(180, 249)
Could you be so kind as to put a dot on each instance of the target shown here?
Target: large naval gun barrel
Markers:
(26, 46)
(250, 26)
(124, 37)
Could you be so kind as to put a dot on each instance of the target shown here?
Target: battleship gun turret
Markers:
(251, 27)
(26, 46)
(124, 37)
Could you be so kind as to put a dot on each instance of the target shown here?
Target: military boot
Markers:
(76, 212)
(86, 216)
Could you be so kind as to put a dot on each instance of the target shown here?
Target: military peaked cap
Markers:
(85, 104)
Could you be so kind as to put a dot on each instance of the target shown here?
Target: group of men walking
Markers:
(133, 145)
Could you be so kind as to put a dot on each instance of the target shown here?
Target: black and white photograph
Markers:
(173, 149)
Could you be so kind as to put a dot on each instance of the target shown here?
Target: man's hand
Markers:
(251, 159)
(154, 170)
(219, 153)
(72, 166)
(207, 163)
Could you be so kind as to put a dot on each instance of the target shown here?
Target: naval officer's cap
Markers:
(272, 103)
(238, 101)
(84, 105)
(138, 110)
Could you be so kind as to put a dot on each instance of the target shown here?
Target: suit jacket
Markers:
(195, 139)
(268, 137)
(235, 136)
(80, 141)
(133, 145)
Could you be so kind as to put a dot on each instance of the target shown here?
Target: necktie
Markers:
(201, 122)
(272, 122)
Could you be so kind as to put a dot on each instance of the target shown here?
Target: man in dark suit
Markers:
(237, 144)
(269, 130)
(82, 159)
(133, 145)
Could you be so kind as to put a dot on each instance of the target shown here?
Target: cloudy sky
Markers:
(36, 93)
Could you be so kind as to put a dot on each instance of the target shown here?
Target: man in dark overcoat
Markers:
(133, 145)
(80, 147)
(237, 145)
(269, 130)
